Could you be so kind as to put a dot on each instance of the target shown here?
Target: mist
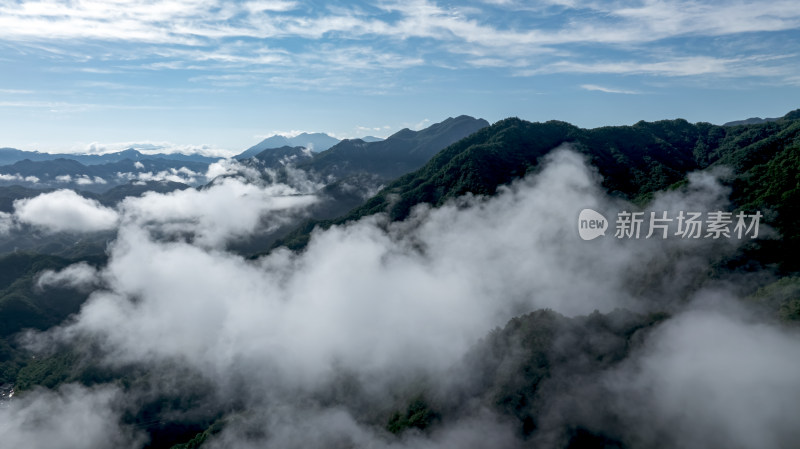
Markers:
(391, 306)
(715, 373)
(74, 417)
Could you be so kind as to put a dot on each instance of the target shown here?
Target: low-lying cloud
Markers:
(65, 211)
(225, 211)
(81, 180)
(153, 148)
(713, 376)
(422, 292)
(6, 223)
(73, 417)
(16, 177)
(240, 201)
(182, 175)
(81, 276)
(388, 302)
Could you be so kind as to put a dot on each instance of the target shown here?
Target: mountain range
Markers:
(98, 178)
(548, 379)
(317, 152)
(400, 153)
(348, 176)
(12, 155)
(635, 162)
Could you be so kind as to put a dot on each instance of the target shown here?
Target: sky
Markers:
(218, 76)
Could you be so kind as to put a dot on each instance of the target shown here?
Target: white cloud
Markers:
(721, 377)
(663, 19)
(269, 5)
(295, 426)
(18, 177)
(609, 90)
(16, 91)
(85, 180)
(182, 175)
(65, 211)
(360, 296)
(383, 301)
(686, 66)
(6, 223)
(213, 35)
(151, 147)
(192, 21)
(82, 180)
(232, 167)
(225, 211)
(80, 276)
(74, 416)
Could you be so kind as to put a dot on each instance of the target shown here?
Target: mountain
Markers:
(635, 161)
(47, 168)
(759, 120)
(9, 194)
(25, 239)
(11, 155)
(400, 153)
(351, 171)
(520, 368)
(314, 141)
(113, 196)
(404, 151)
(269, 142)
(372, 139)
(21, 305)
(751, 121)
(277, 157)
(69, 173)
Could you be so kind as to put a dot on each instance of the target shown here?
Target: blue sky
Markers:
(221, 75)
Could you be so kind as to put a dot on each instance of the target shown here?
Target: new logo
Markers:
(591, 224)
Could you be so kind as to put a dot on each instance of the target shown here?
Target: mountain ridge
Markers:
(635, 161)
(9, 156)
(403, 151)
(70, 173)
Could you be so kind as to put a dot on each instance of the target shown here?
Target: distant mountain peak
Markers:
(131, 151)
(402, 134)
(314, 141)
(372, 139)
(306, 135)
(792, 115)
